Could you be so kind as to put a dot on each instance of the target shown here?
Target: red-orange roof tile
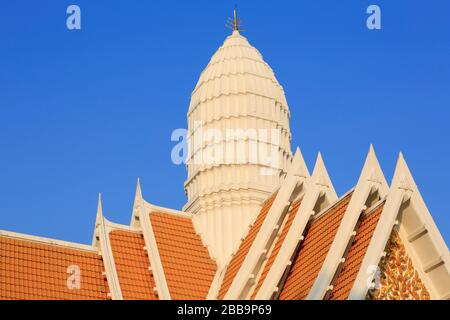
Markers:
(39, 271)
(273, 255)
(244, 248)
(355, 256)
(313, 251)
(188, 268)
(132, 265)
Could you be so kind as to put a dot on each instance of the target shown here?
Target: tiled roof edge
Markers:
(154, 208)
(49, 241)
(102, 230)
(216, 283)
(332, 205)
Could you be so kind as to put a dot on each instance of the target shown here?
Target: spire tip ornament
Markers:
(234, 23)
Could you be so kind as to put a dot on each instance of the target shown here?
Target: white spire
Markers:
(372, 171)
(99, 209)
(138, 202)
(403, 176)
(301, 169)
(138, 190)
(229, 175)
(321, 177)
(98, 221)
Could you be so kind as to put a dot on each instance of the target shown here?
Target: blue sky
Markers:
(89, 111)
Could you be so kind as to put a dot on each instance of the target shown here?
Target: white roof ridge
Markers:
(45, 240)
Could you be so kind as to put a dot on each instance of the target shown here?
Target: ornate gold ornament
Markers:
(399, 280)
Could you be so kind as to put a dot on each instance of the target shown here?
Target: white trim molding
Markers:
(135, 222)
(296, 178)
(216, 283)
(102, 232)
(371, 182)
(54, 242)
(319, 185)
(153, 252)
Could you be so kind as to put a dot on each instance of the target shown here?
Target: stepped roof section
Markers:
(346, 248)
(36, 268)
(306, 243)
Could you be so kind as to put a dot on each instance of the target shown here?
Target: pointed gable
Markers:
(188, 268)
(33, 268)
(319, 192)
(162, 256)
(312, 251)
(405, 212)
(292, 187)
(371, 187)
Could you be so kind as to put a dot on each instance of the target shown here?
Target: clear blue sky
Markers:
(89, 111)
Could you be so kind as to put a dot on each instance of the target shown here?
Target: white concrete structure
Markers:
(239, 143)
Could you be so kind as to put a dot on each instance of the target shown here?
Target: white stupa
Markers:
(236, 93)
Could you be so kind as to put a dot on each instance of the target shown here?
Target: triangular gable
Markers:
(371, 187)
(319, 193)
(180, 263)
(396, 276)
(293, 184)
(125, 256)
(417, 233)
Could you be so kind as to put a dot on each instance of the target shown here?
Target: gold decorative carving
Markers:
(399, 280)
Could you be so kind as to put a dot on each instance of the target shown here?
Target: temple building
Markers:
(252, 228)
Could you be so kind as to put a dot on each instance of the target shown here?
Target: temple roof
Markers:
(312, 252)
(35, 268)
(306, 243)
(188, 268)
(349, 269)
(132, 265)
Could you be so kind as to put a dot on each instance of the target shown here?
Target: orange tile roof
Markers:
(39, 271)
(188, 268)
(313, 251)
(273, 255)
(355, 256)
(132, 265)
(244, 248)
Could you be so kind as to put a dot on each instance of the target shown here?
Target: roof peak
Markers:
(99, 215)
(234, 23)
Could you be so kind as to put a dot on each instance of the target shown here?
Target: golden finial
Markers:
(234, 23)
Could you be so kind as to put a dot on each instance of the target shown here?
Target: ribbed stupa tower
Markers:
(237, 95)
